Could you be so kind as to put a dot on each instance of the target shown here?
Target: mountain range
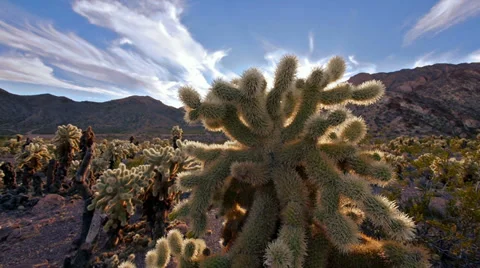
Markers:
(441, 99)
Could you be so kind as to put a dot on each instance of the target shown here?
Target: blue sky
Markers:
(103, 49)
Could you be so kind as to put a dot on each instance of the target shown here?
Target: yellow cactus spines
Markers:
(292, 168)
(116, 193)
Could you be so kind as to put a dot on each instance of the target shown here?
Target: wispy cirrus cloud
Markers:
(154, 53)
(433, 57)
(442, 16)
(311, 42)
(30, 69)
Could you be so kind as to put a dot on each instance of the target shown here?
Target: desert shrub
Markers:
(444, 171)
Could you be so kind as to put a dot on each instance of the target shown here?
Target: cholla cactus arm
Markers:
(284, 78)
(308, 161)
(315, 94)
(292, 193)
(254, 237)
(333, 183)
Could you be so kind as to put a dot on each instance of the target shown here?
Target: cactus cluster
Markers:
(292, 180)
(166, 162)
(116, 194)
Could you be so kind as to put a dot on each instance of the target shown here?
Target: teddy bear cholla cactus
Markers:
(116, 193)
(67, 140)
(187, 252)
(167, 162)
(34, 156)
(118, 190)
(293, 160)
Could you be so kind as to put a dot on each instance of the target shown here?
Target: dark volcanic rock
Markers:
(442, 99)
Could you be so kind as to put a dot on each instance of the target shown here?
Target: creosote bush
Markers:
(292, 184)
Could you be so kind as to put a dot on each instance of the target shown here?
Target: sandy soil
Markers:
(42, 236)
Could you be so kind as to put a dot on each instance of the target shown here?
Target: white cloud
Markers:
(311, 43)
(441, 16)
(352, 59)
(451, 57)
(31, 70)
(153, 54)
(306, 65)
(474, 56)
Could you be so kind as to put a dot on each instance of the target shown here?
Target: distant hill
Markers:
(41, 114)
(442, 99)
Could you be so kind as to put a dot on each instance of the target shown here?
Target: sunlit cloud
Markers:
(451, 57)
(474, 56)
(31, 70)
(442, 16)
(154, 53)
(306, 64)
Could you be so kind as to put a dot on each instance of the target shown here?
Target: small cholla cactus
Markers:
(32, 158)
(4, 151)
(14, 146)
(177, 134)
(187, 252)
(293, 159)
(35, 156)
(162, 193)
(167, 162)
(116, 194)
(67, 141)
(9, 175)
